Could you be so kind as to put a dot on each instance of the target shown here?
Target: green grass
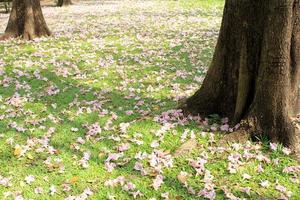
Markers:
(103, 66)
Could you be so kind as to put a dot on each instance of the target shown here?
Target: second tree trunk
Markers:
(26, 20)
(64, 3)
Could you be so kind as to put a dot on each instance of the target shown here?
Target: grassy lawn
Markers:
(91, 112)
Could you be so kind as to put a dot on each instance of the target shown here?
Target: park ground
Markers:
(91, 112)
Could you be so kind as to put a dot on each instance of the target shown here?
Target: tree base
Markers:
(252, 129)
(25, 36)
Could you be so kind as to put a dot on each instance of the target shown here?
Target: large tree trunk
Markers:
(26, 20)
(255, 72)
(64, 3)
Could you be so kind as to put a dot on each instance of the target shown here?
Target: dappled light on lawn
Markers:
(92, 111)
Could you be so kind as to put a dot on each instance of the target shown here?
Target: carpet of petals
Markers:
(91, 112)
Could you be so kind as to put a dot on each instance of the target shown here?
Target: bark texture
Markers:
(26, 20)
(255, 72)
(61, 3)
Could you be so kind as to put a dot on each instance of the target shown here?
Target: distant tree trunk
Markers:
(26, 20)
(7, 7)
(64, 3)
(254, 75)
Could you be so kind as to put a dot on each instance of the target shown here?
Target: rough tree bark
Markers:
(254, 75)
(61, 3)
(26, 20)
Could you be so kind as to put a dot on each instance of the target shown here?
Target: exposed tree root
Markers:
(186, 148)
(7, 36)
(247, 130)
(295, 146)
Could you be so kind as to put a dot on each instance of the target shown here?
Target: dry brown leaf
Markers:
(74, 179)
(182, 178)
(17, 151)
